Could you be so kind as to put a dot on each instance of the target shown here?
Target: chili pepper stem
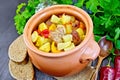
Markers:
(109, 61)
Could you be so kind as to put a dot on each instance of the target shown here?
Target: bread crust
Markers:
(21, 71)
(17, 50)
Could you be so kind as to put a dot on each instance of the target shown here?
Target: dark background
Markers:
(8, 34)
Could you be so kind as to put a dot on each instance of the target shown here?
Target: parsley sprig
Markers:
(23, 13)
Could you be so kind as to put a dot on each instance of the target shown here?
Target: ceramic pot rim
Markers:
(30, 45)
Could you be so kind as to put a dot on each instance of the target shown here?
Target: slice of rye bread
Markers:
(17, 50)
(21, 71)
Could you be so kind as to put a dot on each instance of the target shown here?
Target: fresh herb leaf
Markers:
(106, 21)
(117, 31)
(106, 18)
(98, 29)
(19, 7)
(64, 1)
(97, 38)
(92, 5)
(22, 16)
(79, 3)
(109, 38)
(117, 44)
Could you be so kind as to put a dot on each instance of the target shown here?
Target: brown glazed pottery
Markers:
(63, 63)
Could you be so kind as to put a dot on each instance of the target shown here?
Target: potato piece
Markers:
(67, 38)
(52, 27)
(80, 32)
(82, 37)
(42, 26)
(68, 28)
(55, 19)
(41, 40)
(65, 19)
(72, 18)
(61, 46)
(38, 42)
(45, 47)
(69, 47)
(34, 36)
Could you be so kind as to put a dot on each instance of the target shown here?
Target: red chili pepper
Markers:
(45, 33)
(117, 67)
(107, 72)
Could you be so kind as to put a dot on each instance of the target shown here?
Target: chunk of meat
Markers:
(61, 29)
(48, 22)
(75, 25)
(55, 36)
(58, 33)
(76, 38)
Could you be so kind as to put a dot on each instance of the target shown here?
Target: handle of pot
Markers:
(91, 52)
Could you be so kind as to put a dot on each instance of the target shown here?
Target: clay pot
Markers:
(63, 63)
